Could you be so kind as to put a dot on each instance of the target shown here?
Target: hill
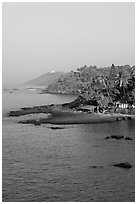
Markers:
(105, 85)
(45, 79)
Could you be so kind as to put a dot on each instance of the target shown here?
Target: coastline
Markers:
(59, 115)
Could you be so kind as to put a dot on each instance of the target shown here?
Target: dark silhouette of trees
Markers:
(106, 85)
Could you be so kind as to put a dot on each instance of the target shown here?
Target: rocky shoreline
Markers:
(33, 110)
(58, 114)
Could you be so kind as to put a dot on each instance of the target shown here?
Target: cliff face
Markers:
(45, 79)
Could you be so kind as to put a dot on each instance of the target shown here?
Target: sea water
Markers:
(70, 164)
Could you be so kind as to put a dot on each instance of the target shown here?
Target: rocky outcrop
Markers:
(34, 110)
(117, 137)
(56, 128)
(28, 122)
(106, 138)
(125, 165)
(128, 138)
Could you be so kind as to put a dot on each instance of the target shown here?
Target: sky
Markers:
(41, 37)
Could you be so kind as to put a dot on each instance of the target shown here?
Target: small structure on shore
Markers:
(88, 108)
(121, 105)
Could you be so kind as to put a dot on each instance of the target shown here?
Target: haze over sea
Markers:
(42, 164)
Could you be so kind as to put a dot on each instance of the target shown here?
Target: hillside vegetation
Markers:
(45, 79)
(105, 85)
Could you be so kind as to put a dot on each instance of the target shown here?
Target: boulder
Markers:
(27, 122)
(128, 138)
(107, 137)
(125, 165)
(56, 128)
(94, 166)
(117, 137)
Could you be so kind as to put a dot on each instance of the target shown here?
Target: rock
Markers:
(117, 137)
(27, 122)
(128, 138)
(56, 128)
(14, 113)
(24, 111)
(125, 165)
(32, 110)
(94, 166)
(107, 137)
(26, 108)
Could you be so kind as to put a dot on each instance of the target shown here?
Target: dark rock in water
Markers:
(27, 122)
(117, 137)
(125, 165)
(25, 111)
(26, 108)
(56, 128)
(107, 137)
(94, 166)
(128, 138)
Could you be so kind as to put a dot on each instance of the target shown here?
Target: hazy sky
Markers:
(40, 37)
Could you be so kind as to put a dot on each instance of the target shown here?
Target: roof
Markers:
(88, 107)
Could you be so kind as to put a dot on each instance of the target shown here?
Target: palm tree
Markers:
(104, 80)
(122, 81)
